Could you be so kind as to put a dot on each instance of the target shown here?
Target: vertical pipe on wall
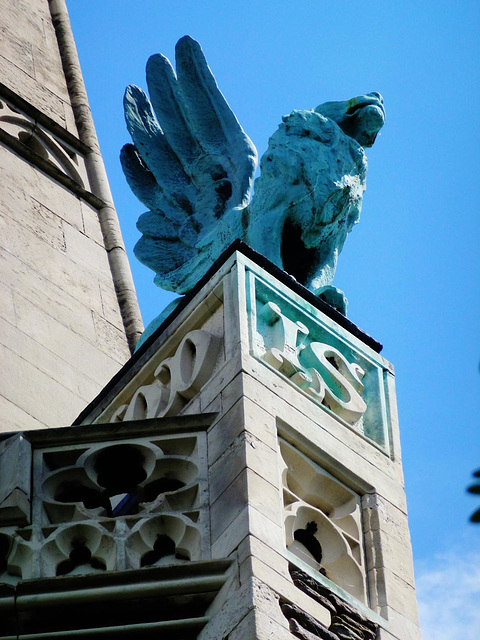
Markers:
(118, 260)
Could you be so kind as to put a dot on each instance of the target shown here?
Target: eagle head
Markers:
(361, 118)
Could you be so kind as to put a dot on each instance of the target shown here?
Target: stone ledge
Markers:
(100, 432)
(147, 600)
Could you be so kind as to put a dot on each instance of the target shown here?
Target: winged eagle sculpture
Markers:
(193, 166)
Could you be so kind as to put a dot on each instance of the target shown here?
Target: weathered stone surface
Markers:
(245, 630)
(91, 224)
(399, 626)
(86, 254)
(395, 593)
(49, 362)
(25, 281)
(29, 389)
(229, 505)
(345, 632)
(313, 592)
(110, 337)
(15, 417)
(388, 551)
(53, 259)
(15, 476)
(246, 450)
(326, 472)
(227, 467)
(55, 336)
(346, 622)
(25, 193)
(32, 66)
(306, 622)
(271, 583)
(300, 632)
(38, 275)
(25, 86)
(349, 614)
(17, 52)
(236, 617)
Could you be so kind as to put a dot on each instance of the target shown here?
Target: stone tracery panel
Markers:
(112, 505)
(162, 540)
(322, 520)
(79, 548)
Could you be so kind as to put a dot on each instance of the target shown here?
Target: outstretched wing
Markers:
(190, 162)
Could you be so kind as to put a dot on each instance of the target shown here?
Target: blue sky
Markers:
(410, 269)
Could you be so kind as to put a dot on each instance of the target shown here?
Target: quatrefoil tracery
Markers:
(120, 480)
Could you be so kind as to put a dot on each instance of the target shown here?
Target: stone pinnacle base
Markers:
(243, 469)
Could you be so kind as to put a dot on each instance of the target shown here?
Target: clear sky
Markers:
(410, 269)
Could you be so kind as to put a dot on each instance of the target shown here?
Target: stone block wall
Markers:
(63, 331)
(305, 483)
(30, 62)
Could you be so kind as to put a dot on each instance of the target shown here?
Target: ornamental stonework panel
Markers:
(319, 360)
(108, 505)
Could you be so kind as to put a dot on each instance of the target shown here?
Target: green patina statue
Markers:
(193, 165)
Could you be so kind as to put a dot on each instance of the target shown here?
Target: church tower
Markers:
(69, 310)
(240, 476)
(239, 479)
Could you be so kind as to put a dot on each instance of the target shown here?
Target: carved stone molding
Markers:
(46, 145)
(163, 601)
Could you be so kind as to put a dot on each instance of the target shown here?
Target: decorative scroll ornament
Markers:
(193, 165)
(176, 380)
(318, 369)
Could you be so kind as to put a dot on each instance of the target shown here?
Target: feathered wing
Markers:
(190, 163)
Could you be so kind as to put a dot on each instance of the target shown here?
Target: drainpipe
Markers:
(117, 257)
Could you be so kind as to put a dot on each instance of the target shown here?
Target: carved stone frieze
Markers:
(175, 381)
(343, 378)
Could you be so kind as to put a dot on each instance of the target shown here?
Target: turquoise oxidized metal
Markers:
(192, 165)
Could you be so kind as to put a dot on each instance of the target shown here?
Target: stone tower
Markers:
(69, 310)
(239, 478)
